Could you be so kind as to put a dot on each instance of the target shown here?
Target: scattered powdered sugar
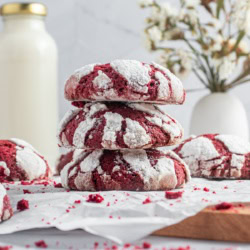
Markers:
(81, 131)
(199, 148)
(65, 171)
(151, 110)
(139, 162)
(5, 167)
(102, 81)
(91, 162)
(169, 124)
(237, 161)
(85, 70)
(86, 125)
(28, 160)
(234, 144)
(112, 126)
(136, 135)
(134, 72)
(163, 89)
(22, 143)
(66, 119)
(176, 84)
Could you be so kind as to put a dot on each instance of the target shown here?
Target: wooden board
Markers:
(210, 224)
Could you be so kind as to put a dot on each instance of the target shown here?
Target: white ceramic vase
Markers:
(219, 113)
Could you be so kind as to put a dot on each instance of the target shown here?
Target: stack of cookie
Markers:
(115, 128)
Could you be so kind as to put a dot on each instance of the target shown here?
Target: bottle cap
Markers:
(23, 9)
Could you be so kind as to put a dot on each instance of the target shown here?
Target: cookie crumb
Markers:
(146, 201)
(41, 244)
(224, 206)
(95, 198)
(146, 245)
(173, 195)
(22, 205)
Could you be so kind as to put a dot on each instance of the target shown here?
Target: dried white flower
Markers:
(189, 16)
(155, 34)
(241, 15)
(147, 43)
(172, 34)
(216, 23)
(145, 3)
(166, 14)
(191, 3)
(185, 59)
(225, 65)
(242, 46)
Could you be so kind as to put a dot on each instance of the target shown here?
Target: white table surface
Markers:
(79, 239)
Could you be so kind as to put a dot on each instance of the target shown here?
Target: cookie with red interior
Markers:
(135, 170)
(125, 81)
(20, 161)
(5, 208)
(115, 125)
(216, 156)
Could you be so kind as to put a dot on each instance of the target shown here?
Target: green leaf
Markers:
(220, 5)
(240, 36)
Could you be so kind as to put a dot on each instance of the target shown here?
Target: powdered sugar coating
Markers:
(125, 170)
(85, 70)
(5, 208)
(134, 72)
(216, 156)
(119, 125)
(125, 80)
(20, 161)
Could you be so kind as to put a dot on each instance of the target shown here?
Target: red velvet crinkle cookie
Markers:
(5, 208)
(135, 170)
(20, 161)
(64, 159)
(216, 156)
(113, 125)
(125, 80)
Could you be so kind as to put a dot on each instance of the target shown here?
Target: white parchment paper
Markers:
(122, 216)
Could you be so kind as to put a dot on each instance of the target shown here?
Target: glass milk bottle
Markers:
(28, 78)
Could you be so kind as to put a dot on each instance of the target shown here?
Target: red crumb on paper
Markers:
(67, 210)
(181, 248)
(206, 189)
(27, 183)
(195, 189)
(146, 201)
(173, 195)
(5, 247)
(223, 206)
(41, 244)
(95, 198)
(146, 245)
(96, 244)
(127, 245)
(114, 247)
(25, 191)
(77, 201)
(108, 204)
(22, 205)
(58, 185)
